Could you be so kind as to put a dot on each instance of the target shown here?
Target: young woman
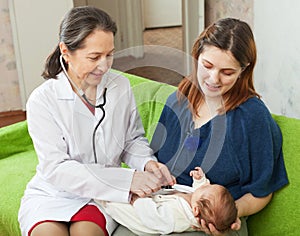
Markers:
(217, 120)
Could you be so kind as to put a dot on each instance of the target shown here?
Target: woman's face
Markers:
(87, 65)
(217, 71)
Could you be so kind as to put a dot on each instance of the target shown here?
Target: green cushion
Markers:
(15, 172)
(150, 97)
(14, 139)
(18, 161)
(281, 216)
(17, 166)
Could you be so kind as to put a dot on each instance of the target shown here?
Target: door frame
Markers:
(193, 22)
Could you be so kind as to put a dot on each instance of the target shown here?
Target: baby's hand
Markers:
(197, 173)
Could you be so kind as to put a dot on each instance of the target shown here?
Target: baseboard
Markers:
(11, 117)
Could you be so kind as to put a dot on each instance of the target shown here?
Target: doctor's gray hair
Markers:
(77, 24)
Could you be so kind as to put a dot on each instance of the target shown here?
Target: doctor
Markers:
(83, 122)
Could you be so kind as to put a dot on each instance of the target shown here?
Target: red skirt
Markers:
(87, 213)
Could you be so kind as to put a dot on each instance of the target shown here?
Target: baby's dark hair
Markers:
(222, 213)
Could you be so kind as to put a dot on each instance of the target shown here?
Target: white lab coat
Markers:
(61, 127)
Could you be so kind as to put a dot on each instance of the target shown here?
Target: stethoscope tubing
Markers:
(82, 94)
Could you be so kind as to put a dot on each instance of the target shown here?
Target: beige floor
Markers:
(163, 57)
(171, 37)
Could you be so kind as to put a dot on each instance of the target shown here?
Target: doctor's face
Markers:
(89, 63)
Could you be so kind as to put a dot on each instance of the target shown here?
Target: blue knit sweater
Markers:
(241, 150)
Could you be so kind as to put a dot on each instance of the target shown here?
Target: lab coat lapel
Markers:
(83, 126)
(84, 122)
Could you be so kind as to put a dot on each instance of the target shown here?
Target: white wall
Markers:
(35, 27)
(157, 13)
(277, 75)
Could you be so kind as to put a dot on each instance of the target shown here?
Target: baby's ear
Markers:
(196, 210)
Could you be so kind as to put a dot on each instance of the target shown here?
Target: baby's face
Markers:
(209, 192)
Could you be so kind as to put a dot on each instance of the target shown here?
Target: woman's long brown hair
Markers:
(227, 34)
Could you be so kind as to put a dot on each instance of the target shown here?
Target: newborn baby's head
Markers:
(214, 204)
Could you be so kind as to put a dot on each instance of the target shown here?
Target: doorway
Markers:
(162, 39)
(161, 27)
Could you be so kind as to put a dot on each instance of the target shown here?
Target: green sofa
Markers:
(18, 161)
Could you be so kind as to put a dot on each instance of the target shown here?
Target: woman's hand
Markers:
(161, 172)
(210, 229)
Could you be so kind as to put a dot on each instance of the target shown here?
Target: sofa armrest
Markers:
(14, 139)
(281, 215)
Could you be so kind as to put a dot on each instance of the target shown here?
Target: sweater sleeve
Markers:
(260, 152)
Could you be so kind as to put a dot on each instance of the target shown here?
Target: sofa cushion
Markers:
(17, 166)
(150, 97)
(14, 139)
(280, 217)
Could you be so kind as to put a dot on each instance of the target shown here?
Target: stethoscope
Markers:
(82, 94)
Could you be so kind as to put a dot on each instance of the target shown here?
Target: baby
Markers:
(177, 209)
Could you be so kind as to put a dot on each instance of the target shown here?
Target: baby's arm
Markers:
(199, 177)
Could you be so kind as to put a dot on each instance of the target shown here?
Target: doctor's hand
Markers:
(144, 183)
(161, 172)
